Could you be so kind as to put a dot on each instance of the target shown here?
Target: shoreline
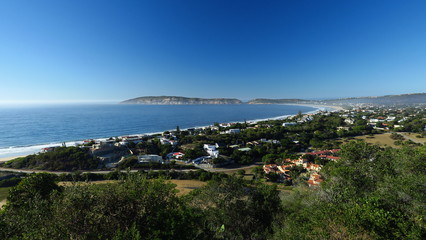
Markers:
(34, 149)
(5, 159)
(336, 108)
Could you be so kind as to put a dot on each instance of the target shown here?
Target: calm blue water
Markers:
(21, 128)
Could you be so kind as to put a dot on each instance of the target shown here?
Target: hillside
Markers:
(413, 98)
(402, 99)
(174, 100)
(275, 101)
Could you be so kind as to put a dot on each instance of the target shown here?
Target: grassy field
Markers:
(4, 192)
(380, 139)
(413, 137)
(65, 184)
(186, 186)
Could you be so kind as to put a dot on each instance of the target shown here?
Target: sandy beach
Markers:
(336, 108)
(5, 159)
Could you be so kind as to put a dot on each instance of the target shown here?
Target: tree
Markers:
(233, 210)
(39, 185)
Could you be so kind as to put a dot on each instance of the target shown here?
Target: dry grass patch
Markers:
(4, 192)
(186, 186)
(382, 139)
(413, 137)
(67, 184)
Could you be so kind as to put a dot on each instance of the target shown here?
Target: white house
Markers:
(211, 150)
(289, 124)
(234, 131)
(349, 121)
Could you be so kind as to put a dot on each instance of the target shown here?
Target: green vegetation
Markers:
(371, 193)
(38, 209)
(60, 159)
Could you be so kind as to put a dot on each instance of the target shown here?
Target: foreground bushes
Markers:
(371, 193)
(135, 207)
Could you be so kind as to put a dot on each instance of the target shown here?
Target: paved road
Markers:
(95, 171)
(231, 169)
(105, 172)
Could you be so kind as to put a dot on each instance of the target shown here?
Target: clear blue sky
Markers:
(115, 50)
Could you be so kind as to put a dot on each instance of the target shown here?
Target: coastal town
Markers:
(287, 151)
(212, 120)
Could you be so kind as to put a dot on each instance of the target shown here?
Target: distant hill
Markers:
(413, 98)
(174, 100)
(275, 101)
(402, 99)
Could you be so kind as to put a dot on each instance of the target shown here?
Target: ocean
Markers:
(27, 129)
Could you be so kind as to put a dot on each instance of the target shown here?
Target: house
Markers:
(313, 167)
(208, 147)
(150, 158)
(349, 121)
(234, 131)
(178, 155)
(246, 149)
(289, 124)
(270, 168)
(315, 180)
(130, 138)
(47, 149)
(164, 141)
(211, 150)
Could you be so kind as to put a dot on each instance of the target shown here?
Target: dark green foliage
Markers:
(39, 185)
(60, 159)
(10, 182)
(195, 152)
(136, 207)
(396, 136)
(230, 209)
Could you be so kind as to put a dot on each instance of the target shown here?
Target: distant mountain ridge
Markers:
(274, 101)
(174, 100)
(412, 98)
(407, 99)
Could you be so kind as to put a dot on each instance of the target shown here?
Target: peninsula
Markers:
(174, 100)
(401, 99)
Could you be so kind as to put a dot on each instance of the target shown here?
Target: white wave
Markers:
(27, 150)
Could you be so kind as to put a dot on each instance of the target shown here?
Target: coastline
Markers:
(335, 108)
(33, 149)
(5, 159)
